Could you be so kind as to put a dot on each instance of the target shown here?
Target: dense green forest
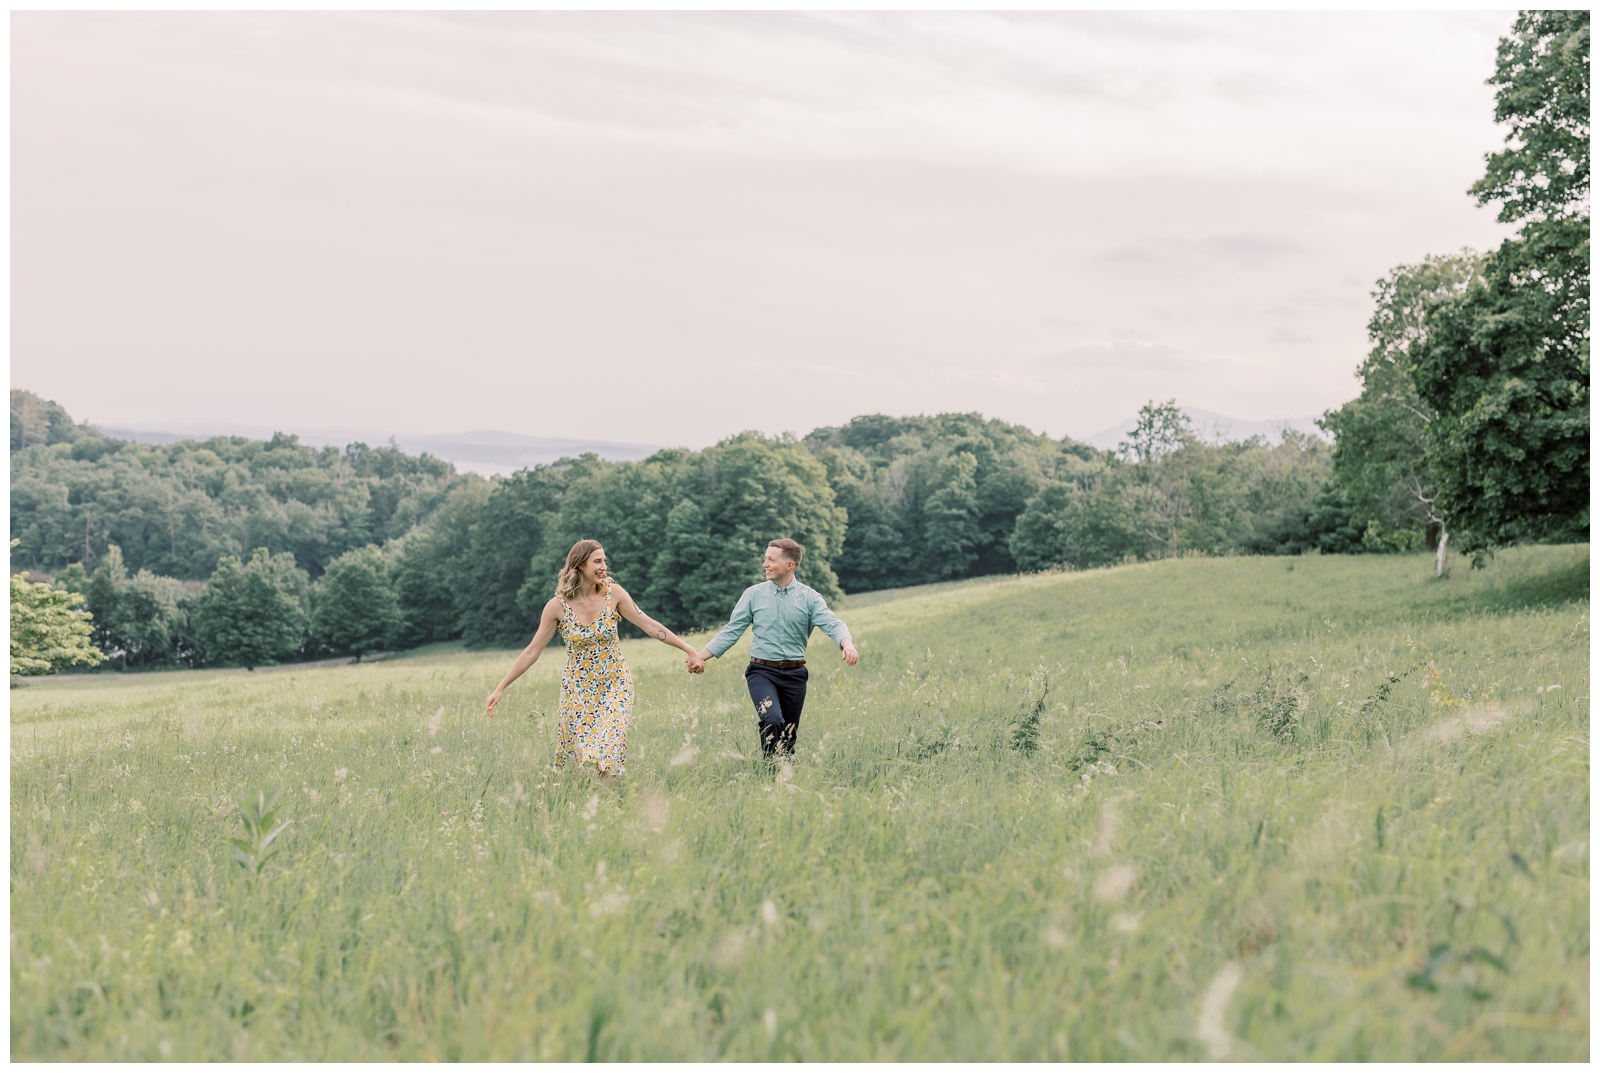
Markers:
(1472, 423)
(177, 509)
(877, 502)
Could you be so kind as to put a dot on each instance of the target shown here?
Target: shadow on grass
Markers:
(1529, 588)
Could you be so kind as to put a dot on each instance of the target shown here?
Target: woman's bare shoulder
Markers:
(619, 593)
(553, 606)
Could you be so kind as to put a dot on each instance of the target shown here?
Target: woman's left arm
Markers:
(630, 611)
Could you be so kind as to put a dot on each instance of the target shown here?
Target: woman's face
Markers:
(594, 567)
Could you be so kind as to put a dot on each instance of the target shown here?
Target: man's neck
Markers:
(782, 582)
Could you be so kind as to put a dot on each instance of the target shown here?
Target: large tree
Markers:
(48, 632)
(1380, 470)
(252, 614)
(152, 622)
(356, 610)
(1505, 366)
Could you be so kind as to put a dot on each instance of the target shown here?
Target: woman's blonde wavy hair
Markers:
(571, 579)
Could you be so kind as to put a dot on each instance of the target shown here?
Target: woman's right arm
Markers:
(548, 620)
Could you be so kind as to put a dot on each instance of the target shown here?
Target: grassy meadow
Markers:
(1259, 808)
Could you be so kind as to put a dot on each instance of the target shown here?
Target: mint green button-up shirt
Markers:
(783, 620)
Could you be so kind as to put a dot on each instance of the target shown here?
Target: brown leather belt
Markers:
(781, 664)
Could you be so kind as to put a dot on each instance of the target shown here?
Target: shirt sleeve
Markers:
(738, 622)
(825, 620)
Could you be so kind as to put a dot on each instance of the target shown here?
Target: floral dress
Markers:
(596, 693)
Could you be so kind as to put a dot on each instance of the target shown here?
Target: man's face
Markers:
(777, 565)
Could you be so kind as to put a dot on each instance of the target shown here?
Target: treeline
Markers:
(177, 509)
(877, 502)
(1473, 418)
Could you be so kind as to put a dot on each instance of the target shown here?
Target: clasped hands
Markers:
(696, 663)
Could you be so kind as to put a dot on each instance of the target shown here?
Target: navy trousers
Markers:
(778, 694)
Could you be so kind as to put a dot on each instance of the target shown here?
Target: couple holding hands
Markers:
(597, 690)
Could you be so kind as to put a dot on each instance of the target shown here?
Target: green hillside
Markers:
(1261, 808)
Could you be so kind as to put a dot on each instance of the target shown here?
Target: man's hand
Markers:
(695, 664)
(851, 656)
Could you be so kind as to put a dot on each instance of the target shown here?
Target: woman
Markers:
(596, 688)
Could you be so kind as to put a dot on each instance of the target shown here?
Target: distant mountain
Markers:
(487, 452)
(1214, 427)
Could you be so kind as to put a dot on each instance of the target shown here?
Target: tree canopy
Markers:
(877, 502)
(1505, 364)
(356, 610)
(48, 631)
(1380, 469)
(253, 614)
(178, 508)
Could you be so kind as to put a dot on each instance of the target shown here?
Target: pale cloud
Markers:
(447, 222)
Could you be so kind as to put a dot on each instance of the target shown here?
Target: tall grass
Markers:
(1233, 827)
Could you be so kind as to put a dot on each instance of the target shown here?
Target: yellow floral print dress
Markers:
(596, 693)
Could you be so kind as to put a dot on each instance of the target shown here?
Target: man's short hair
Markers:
(791, 551)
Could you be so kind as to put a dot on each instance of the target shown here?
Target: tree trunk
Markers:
(1439, 556)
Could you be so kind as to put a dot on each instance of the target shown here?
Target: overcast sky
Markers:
(667, 228)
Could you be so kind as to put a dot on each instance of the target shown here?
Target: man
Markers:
(782, 612)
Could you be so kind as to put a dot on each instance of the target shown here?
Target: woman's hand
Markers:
(694, 663)
(548, 619)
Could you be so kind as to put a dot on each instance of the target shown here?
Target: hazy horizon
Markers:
(1205, 422)
(667, 228)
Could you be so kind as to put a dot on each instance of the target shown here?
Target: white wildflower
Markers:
(729, 948)
(653, 810)
(1112, 884)
(1106, 837)
(1208, 1025)
(607, 904)
(686, 754)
